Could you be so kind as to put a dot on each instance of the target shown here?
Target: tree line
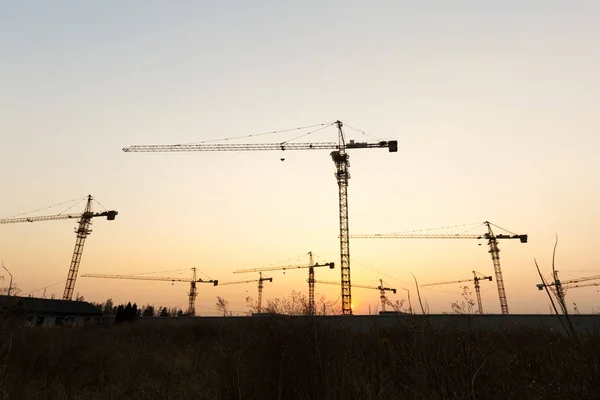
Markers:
(129, 312)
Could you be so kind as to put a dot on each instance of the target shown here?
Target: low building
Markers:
(49, 312)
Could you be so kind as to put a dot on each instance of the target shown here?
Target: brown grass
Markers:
(272, 358)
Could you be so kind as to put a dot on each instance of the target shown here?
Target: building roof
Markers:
(48, 306)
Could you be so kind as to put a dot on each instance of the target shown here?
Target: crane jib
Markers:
(391, 145)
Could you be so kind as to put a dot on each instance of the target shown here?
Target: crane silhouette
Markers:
(83, 230)
(489, 236)
(260, 281)
(341, 160)
(193, 293)
(475, 281)
(311, 277)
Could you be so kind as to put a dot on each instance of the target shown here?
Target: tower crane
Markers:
(475, 280)
(82, 231)
(261, 279)
(560, 290)
(382, 289)
(340, 158)
(311, 277)
(489, 236)
(193, 293)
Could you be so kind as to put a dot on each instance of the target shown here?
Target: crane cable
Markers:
(158, 272)
(366, 266)
(306, 134)
(105, 209)
(445, 227)
(505, 230)
(276, 263)
(64, 211)
(45, 287)
(363, 132)
(260, 134)
(379, 272)
(439, 290)
(45, 208)
(202, 273)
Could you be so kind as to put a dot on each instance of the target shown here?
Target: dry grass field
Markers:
(283, 358)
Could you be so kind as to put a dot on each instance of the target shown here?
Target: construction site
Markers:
(275, 326)
(280, 200)
(387, 301)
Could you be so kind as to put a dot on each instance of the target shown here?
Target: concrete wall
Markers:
(365, 323)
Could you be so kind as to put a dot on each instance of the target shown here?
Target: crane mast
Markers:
(260, 289)
(340, 159)
(311, 285)
(382, 296)
(495, 253)
(192, 294)
(82, 231)
(478, 293)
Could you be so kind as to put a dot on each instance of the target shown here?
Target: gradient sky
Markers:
(495, 109)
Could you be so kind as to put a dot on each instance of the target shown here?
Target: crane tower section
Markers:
(340, 158)
(82, 231)
(495, 253)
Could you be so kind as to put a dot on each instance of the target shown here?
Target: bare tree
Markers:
(223, 306)
(398, 306)
(108, 306)
(295, 304)
(466, 305)
(14, 290)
